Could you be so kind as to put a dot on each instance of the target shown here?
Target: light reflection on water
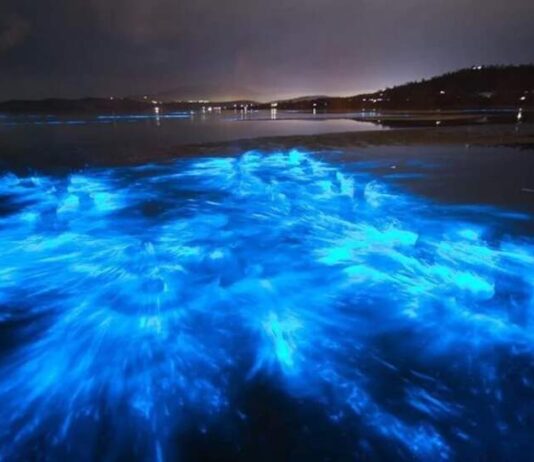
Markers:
(53, 141)
(139, 302)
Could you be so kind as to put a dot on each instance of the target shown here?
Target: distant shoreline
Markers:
(482, 87)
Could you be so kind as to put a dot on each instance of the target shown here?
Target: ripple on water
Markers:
(407, 321)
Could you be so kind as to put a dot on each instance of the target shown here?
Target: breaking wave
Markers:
(136, 302)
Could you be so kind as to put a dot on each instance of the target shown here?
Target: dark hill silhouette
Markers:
(474, 88)
(479, 87)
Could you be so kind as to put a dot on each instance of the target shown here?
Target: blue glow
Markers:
(13, 121)
(145, 298)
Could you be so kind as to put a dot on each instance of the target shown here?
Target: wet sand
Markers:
(521, 135)
(62, 148)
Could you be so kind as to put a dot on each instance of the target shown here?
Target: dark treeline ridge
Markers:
(479, 87)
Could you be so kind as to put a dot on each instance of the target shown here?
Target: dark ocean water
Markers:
(76, 141)
(368, 304)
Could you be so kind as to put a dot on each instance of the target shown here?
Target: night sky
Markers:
(249, 48)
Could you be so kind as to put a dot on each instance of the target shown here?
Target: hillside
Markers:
(474, 88)
(479, 87)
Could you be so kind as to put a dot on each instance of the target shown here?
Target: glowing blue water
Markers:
(137, 302)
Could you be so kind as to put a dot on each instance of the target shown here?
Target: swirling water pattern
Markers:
(139, 301)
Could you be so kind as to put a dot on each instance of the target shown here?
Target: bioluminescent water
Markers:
(262, 301)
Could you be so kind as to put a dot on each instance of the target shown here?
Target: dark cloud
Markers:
(13, 30)
(251, 48)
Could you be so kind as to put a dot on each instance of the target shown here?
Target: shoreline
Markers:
(23, 159)
(516, 135)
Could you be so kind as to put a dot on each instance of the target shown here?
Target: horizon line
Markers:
(257, 101)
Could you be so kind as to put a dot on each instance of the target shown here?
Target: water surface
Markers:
(284, 306)
(56, 141)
